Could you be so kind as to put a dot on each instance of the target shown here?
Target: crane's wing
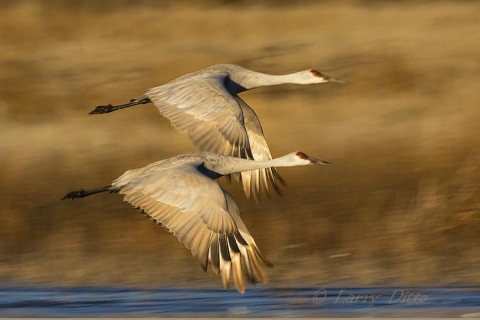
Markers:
(202, 107)
(261, 181)
(201, 215)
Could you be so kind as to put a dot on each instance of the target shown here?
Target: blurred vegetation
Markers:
(400, 206)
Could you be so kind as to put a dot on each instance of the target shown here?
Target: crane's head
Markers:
(318, 77)
(303, 159)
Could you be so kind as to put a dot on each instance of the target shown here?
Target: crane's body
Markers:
(181, 194)
(205, 105)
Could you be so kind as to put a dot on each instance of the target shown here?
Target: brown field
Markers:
(400, 206)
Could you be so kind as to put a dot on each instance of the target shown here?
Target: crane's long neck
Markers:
(234, 165)
(250, 79)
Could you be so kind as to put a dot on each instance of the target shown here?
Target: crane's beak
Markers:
(331, 79)
(318, 161)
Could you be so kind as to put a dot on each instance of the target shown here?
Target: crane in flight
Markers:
(205, 105)
(182, 195)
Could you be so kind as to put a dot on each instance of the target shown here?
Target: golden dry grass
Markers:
(400, 206)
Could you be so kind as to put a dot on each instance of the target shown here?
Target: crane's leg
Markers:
(109, 108)
(84, 193)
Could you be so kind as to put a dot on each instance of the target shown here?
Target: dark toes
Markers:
(74, 194)
(102, 109)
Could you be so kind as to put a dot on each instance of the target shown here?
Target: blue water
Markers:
(104, 301)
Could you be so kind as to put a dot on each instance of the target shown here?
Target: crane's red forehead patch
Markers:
(316, 73)
(302, 155)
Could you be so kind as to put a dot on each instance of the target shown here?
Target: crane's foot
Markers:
(76, 194)
(109, 108)
(83, 193)
(103, 109)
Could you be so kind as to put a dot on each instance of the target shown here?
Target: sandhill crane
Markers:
(205, 105)
(182, 195)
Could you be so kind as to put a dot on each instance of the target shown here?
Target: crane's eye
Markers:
(316, 73)
(302, 155)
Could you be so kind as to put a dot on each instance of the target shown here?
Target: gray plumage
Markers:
(205, 105)
(182, 195)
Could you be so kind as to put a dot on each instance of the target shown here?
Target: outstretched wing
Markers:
(201, 215)
(215, 120)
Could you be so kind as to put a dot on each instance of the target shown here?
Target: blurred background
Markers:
(400, 206)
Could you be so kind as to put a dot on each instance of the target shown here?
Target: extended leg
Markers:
(109, 108)
(84, 193)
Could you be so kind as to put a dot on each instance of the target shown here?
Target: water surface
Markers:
(107, 301)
